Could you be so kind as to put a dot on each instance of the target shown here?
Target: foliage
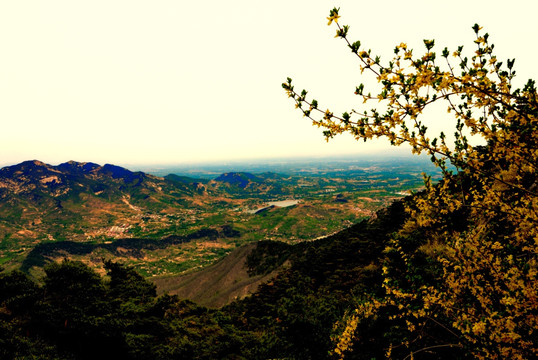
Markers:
(267, 256)
(484, 288)
(77, 314)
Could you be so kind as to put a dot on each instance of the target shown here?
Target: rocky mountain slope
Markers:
(218, 284)
(44, 202)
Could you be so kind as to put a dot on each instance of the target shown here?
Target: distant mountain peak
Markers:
(80, 167)
(31, 163)
(119, 172)
(38, 163)
(78, 163)
(240, 179)
(42, 174)
(28, 167)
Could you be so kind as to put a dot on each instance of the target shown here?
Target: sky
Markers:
(178, 82)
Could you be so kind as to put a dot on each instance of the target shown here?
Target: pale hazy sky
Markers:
(130, 82)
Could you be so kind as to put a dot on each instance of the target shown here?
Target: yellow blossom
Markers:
(332, 18)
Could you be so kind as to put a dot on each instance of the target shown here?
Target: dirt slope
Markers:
(218, 284)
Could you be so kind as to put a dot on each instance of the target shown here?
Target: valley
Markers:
(166, 225)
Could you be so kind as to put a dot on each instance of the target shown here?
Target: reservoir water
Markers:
(281, 203)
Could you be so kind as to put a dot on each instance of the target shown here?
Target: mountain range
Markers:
(41, 201)
(37, 198)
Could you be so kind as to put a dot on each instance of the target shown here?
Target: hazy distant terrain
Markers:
(343, 165)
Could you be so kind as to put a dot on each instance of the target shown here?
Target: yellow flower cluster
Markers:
(489, 285)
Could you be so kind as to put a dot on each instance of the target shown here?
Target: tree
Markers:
(479, 223)
(126, 285)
